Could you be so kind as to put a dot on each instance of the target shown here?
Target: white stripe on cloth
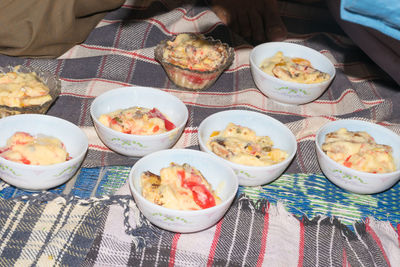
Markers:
(197, 245)
(283, 240)
(389, 239)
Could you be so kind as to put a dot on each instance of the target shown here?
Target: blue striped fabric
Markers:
(302, 194)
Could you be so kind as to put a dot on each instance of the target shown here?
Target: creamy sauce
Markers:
(194, 53)
(359, 151)
(19, 89)
(34, 150)
(241, 145)
(137, 120)
(297, 70)
(180, 187)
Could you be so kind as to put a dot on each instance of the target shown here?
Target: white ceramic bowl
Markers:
(263, 125)
(284, 91)
(353, 180)
(34, 177)
(126, 97)
(221, 177)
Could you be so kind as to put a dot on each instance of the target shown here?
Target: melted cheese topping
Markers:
(359, 151)
(19, 89)
(297, 70)
(241, 145)
(40, 150)
(194, 53)
(180, 187)
(137, 120)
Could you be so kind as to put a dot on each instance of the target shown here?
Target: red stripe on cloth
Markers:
(175, 240)
(195, 17)
(344, 259)
(377, 240)
(107, 21)
(398, 233)
(263, 239)
(86, 106)
(94, 79)
(348, 91)
(130, 69)
(100, 147)
(107, 49)
(255, 107)
(305, 137)
(190, 131)
(301, 245)
(238, 67)
(76, 95)
(59, 64)
(214, 243)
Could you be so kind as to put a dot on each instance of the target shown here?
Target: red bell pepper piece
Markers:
(155, 113)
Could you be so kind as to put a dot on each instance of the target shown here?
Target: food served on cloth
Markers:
(359, 151)
(34, 150)
(180, 187)
(137, 120)
(19, 89)
(193, 61)
(194, 52)
(297, 70)
(241, 145)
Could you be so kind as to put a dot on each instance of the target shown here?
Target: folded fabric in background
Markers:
(48, 28)
(382, 15)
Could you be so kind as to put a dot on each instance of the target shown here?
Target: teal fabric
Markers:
(382, 15)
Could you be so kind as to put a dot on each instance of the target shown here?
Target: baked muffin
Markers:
(193, 61)
(26, 90)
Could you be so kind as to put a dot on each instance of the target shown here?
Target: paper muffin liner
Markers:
(193, 79)
(49, 79)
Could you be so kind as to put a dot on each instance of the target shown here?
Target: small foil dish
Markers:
(47, 78)
(192, 79)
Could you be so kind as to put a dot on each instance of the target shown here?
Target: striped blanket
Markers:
(59, 230)
(49, 230)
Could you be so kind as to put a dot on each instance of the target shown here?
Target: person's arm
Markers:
(255, 20)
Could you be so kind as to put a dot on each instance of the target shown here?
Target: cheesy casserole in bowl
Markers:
(193, 61)
(26, 90)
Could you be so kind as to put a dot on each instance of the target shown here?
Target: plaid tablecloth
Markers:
(51, 229)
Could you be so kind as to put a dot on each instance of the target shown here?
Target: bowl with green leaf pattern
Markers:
(359, 156)
(135, 121)
(297, 83)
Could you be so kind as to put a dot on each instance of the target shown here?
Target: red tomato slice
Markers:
(156, 128)
(201, 195)
(4, 150)
(25, 161)
(347, 163)
(155, 113)
(114, 121)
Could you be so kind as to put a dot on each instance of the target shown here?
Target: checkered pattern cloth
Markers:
(120, 52)
(111, 231)
(250, 234)
(50, 230)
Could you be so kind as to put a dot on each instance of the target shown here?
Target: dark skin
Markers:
(256, 20)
